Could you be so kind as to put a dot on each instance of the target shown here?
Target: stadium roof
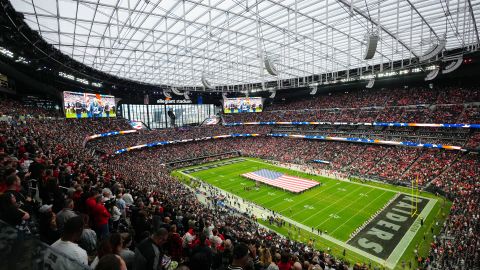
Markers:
(175, 42)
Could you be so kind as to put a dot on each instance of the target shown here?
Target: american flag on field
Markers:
(280, 180)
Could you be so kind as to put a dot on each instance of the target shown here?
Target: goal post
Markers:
(415, 194)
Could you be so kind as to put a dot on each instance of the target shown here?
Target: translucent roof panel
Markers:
(176, 42)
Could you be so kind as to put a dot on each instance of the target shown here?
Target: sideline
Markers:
(261, 212)
(340, 179)
(390, 262)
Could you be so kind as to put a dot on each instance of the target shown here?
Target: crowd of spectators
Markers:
(124, 215)
(129, 212)
(439, 105)
(13, 107)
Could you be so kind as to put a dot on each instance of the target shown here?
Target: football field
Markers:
(334, 207)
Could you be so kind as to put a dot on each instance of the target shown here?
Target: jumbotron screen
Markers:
(88, 105)
(241, 105)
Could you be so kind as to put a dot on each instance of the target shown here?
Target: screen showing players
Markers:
(241, 105)
(88, 105)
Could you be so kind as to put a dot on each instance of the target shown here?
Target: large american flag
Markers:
(280, 180)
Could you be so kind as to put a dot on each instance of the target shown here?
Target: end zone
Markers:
(388, 235)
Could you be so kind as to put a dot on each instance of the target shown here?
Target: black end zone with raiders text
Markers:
(384, 232)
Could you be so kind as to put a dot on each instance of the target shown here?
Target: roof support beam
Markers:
(474, 21)
(423, 19)
(359, 12)
(318, 21)
(146, 30)
(217, 27)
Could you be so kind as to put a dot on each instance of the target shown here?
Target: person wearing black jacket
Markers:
(244, 257)
(9, 211)
(36, 169)
(53, 195)
(149, 254)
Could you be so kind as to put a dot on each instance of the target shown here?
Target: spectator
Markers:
(111, 262)
(285, 263)
(150, 252)
(201, 258)
(109, 245)
(9, 211)
(88, 239)
(67, 245)
(127, 255)
(240, 257)
(65, 214)
(100, 216)
(174, 244)
(49, 232)
(273, 265)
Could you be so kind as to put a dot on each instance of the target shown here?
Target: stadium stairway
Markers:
(411, 164)
(445, 169)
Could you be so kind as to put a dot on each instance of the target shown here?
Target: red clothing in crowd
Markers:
(175, 248)
(3, 187)
(90, 203)
(285, 266)
(100, 215)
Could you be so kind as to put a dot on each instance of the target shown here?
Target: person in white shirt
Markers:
(215, 238)
(127, 197)
(65, 253)
(208, 229)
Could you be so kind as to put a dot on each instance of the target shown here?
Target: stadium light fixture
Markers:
(186, 95)
(454, 65)
(6, 52)
(177, 92)
(66, 76)
(205, 82)
(348, 80)
(166, 93)
(387, 74)
(270, 66)
(434, 50)
(372, 40)
(273, 94)
(370, 83)
(416, 70)
(432, 67)
(22, 60)
(81, 80)
(432, 75)
(367, 77)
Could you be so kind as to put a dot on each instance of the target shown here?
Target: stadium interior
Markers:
(239, 135)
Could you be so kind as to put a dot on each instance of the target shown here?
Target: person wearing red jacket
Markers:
(174, 244)
(100, 216)
(91, 201)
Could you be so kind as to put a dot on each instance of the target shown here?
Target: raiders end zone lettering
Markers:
(384, 232)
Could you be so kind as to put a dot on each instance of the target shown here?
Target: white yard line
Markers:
(345, 222)
(261, 212)
(390, 262)
(331, 205)
(346, 208)
(399, 250)
(338, 179)
(305, 199)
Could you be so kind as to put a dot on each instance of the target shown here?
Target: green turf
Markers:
(337, 207)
